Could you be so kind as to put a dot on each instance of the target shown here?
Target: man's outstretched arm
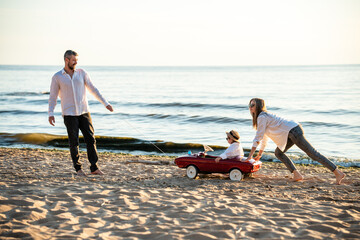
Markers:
(54, 92)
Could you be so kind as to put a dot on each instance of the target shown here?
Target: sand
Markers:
(42, 198)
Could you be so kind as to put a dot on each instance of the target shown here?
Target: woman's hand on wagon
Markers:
(257, 158)
(246, 159)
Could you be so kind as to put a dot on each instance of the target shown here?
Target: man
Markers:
(70, 85)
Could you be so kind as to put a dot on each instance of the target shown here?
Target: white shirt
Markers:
(273, 127)
(72, 92)
(234, 150)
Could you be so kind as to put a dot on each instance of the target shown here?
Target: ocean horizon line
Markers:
(191, 66)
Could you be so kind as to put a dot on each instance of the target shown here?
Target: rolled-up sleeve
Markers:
(94, 91)
(264, 142)
(260, 133)
(54, 92)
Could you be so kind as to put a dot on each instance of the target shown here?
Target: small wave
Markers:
(40, 102)
(22, 94)
(238, 107)
(21, 112)
(185, 118)
(196, 118)
(159, 116)
(335, 125)
(27, 101)
(227, 120)
(324, 112)
(196, 105)
(178, 105)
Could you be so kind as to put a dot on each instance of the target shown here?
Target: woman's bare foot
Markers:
(81, 173)
(297, 176)
(339, 176)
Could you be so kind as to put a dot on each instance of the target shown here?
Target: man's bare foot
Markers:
(339, 176)
(297, 176)
(97, 172)
(81, 173)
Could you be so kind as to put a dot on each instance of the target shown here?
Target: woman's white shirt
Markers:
(234, 150)
(273, 127)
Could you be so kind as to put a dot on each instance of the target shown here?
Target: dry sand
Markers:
(42, 198)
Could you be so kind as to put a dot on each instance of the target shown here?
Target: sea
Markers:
(170, 110)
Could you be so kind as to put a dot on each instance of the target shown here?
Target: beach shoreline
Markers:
(148, 197)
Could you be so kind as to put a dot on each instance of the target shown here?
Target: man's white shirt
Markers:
(72, 92)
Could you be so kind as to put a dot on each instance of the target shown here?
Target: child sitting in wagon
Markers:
(235, 149)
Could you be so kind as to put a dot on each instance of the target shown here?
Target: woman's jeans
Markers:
(296, 136)
(84, 123)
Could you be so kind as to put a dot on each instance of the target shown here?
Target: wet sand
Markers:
(42, 198)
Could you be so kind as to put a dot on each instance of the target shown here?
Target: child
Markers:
(235, 149)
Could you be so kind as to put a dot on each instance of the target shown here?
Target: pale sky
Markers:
(180, 32)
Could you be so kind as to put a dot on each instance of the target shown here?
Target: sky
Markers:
(180, 32)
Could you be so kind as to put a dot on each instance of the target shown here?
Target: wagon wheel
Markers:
(236, 175)
(192, 171)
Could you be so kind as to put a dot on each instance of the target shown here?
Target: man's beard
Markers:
(72, 67)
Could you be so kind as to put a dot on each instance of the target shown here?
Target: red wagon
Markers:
(201, 163)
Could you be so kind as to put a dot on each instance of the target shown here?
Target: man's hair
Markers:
(70, 53)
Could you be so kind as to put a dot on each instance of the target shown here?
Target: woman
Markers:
(285, 134)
